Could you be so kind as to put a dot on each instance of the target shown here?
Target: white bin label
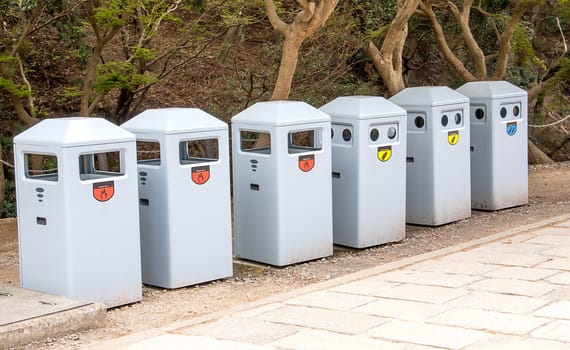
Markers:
(384, 153)
(307, 162)
(201, 174)
(453, 137)
(103, 191)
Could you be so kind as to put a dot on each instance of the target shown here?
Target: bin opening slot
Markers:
(144, 202)
(41, 221)
(336, 174)
(100, 165)
(472, 148)
(254, 187)
(199, 151)
(305, 141)
(41, 167)
(255, 141)
(410, 159)
(148, 153)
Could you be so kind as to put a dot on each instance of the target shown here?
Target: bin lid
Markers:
(281, 113)
(362, 107)
(173, 121)
(491, 90)
(428, 96)
(73, 131)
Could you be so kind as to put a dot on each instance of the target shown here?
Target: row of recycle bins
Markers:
(102, 208)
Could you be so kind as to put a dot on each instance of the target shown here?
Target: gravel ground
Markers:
(549, 196)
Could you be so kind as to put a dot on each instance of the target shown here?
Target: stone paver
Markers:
(557, 264)
(319, 339)
(489, 320)
(454, 267)
(560, 278)
(557, 330)
(552, 230)
(521, 273)
(331, 300)
(427, 294)
(242, 330)
(507, 294)
(552, 239)
(428, 334)
(365, 287)
(178, 341)
(498, 258)
(401, 309)
(558, 252)
(516, 304)
(429, 278)
(563, 224)
(559, 309)
(515, 287)
(504, 342)
(332, 320)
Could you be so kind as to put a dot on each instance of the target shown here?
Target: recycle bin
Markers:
(368, 170)
(499, 153)
(438, 189)
(282, 183)
(77, 210)
(184, 196)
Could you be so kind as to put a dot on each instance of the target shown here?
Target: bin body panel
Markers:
(43, 249)
(200, 216)
(283, 214)
(438, 189)
(256, 209)
(185, 225)
(369, 182)
(105, 244)
(305, 218)
(499, 161)
(75, 241)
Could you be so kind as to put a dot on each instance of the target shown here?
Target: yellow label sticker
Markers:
(384, 153)
(453, 137)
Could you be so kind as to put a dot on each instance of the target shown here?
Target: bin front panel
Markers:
(42, 233)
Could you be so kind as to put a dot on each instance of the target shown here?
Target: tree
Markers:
(388, 60)
(461, 13)
(313, 15)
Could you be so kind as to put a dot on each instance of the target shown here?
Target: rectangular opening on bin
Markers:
(41, 166)
(255, 142)
(100, 165)
(305, 141)
(199, 151)
(148, 153)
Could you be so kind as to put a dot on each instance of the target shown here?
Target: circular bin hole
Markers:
(346, 135)
(374, 134)
(444, 120)
(392, 133)
(479, 113)
(419, 121)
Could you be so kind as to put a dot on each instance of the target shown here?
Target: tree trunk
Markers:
(289, 59)
(2, 184)
(536, 156)
(393, 80)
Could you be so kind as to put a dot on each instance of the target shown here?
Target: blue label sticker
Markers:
(511, 128)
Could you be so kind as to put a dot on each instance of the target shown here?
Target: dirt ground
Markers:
(549, 196)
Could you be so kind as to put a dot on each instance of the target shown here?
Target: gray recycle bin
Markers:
(438, 189)
(184, 190)
(368, 170)
(282, 183)
(499, 153)
(77, 206)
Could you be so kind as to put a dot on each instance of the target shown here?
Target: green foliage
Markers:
(13, 88)
(119, 75)
(112, 14)
(522, 49)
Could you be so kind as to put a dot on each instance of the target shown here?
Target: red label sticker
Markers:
(103, 191)
(307, 163)
(201, 174)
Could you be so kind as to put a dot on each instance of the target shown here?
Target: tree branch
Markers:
(274, 19)
(505, 39)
